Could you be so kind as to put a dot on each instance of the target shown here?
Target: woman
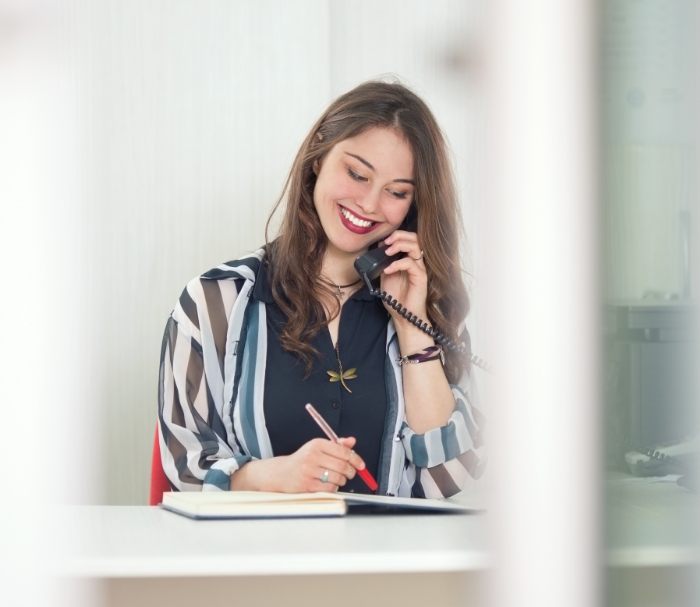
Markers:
(250, 342)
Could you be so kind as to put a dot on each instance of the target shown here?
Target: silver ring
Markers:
(324, 476)
(418, 258)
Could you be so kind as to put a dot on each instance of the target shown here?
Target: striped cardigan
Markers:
(212, 378)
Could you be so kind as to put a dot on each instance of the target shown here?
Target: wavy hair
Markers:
(296, 254)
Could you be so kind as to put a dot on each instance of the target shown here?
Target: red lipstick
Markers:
(351, 226)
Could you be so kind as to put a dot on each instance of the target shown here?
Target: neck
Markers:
(339, 267)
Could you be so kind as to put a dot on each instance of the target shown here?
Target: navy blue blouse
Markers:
(361, 413)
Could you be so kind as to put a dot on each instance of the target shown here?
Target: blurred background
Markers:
(145, 142)
(649, 196)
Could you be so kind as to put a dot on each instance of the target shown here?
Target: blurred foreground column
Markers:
(544, 291)
(46, 447)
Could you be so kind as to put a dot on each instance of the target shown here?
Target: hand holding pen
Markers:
(362, 471)
(318, 465)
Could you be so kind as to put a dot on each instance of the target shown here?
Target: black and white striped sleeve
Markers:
(198, 449)
(448, 458)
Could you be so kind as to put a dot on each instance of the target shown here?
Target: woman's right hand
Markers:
(301, 471)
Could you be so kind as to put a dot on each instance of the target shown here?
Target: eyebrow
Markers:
(369, 166)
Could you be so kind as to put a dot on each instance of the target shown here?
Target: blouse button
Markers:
(335, 405)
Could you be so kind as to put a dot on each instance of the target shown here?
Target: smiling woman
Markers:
(250, 342)
(357, 203)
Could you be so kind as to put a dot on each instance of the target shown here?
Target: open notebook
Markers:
(261, 504)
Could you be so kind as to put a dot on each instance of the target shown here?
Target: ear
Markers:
(316, 166)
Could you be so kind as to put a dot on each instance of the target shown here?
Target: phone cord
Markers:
(424, 326)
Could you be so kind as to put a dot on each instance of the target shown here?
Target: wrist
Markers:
(257, 475)
(412, 339)
(422, 356)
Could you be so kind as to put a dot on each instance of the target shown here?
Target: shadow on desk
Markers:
(419, 589)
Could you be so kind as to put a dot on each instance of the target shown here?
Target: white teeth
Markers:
(356, 221)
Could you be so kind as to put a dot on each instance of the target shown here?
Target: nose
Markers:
(369, 203)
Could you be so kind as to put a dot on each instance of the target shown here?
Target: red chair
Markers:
(159, 482)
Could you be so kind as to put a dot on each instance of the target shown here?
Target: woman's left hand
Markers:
(406, 278)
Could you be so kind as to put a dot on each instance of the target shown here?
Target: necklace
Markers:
(339, 288)
(341, 375)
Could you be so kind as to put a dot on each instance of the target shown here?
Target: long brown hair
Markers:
(296, 254)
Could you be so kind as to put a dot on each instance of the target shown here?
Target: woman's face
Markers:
(364, 189)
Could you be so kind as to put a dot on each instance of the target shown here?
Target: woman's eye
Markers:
(355, 176)
(399, 195)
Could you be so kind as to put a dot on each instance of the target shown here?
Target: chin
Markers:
(344, 241)
(345, 248)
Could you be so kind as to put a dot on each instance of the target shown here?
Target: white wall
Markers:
(190, 114)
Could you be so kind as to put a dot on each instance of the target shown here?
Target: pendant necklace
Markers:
(340, 375)
(339, 288)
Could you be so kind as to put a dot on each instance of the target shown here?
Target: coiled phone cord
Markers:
(424, 326)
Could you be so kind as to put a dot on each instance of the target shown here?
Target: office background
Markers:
(138, 131)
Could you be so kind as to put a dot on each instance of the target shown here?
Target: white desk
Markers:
(146, 556)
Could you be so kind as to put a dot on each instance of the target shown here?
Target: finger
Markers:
(341, 452)
(403, 245)
(317, 485)
(346, 461)
(338, 450)
(356, 461)
(346, 464)
(399, 235)
(338, 466)
(412, 250)
(406, 264)
(323, 446)
(334, 478)
(348, 441)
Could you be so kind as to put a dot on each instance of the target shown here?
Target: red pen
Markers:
(364, 474)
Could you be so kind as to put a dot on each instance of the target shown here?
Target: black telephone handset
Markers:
(375, 260)
(370, 265)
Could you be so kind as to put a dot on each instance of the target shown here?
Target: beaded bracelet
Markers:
(426, 354)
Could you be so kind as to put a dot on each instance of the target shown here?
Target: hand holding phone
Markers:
(371, 264)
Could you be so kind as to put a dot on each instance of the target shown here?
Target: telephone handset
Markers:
(370, 265)
(375, 260)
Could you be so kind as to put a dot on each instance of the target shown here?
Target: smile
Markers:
(354, 223)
